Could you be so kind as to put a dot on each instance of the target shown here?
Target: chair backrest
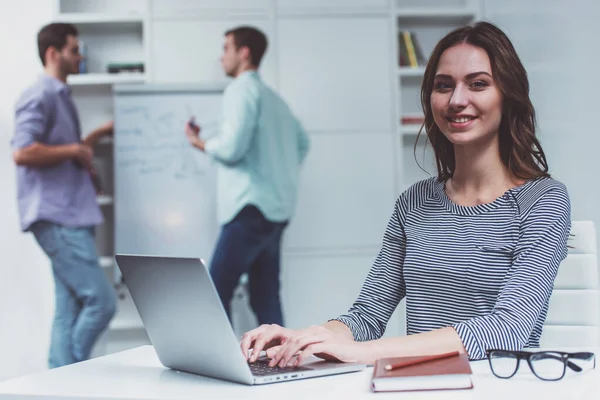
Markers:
(574, 315)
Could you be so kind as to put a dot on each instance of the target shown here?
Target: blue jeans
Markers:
(85, 300)
(250, 244)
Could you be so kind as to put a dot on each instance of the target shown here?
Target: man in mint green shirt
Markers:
(259, 151)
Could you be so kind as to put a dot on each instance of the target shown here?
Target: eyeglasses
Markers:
(546, 365)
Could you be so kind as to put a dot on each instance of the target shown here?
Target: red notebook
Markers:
(450, 372)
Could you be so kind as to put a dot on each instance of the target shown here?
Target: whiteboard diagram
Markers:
(165, 200)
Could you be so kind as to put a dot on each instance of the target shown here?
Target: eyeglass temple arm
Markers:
(578, 356)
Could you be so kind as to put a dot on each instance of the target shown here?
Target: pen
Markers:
(192, 122)
(401, 364)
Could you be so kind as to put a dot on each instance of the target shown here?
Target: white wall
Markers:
(560, 52)
(314, 66)
(26, 291)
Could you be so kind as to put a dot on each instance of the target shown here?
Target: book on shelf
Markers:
(435, 372)
(412, 120)
(410, 51)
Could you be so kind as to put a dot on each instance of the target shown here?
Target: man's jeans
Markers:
(250, 244)
(85, 300)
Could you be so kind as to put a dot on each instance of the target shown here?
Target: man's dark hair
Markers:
(54, 35)
(253, 39)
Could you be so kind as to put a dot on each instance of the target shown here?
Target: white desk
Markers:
(137, 374)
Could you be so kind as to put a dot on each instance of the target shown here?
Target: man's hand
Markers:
(106, 129)
(192, 132)
(83, 155)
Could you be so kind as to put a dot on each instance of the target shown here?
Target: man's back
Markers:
(260, 148)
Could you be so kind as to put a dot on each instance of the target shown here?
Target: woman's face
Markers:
(466, 103)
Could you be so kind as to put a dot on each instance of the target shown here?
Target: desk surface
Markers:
(138, 374)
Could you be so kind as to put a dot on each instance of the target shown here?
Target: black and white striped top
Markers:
(486, 270)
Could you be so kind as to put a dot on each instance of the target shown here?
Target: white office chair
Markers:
(574, 315)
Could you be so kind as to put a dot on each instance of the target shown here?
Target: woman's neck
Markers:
(479, 176)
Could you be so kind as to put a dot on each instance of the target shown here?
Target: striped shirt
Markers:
(486, 270)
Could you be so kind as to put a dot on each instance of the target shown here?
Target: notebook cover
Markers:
(411, 376)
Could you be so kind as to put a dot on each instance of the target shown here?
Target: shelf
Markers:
(93, 18)
(122, 324)
(106, 141)
(104, 200)
(411, 129)
(436, 13)
(106, 262)
(411, 71)
(106, 79)
(127, 316)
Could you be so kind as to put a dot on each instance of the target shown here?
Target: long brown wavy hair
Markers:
(520, 150)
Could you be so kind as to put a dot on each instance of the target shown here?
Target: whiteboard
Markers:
(165, 200)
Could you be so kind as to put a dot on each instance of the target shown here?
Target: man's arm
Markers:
(98, 133)
(240, 115)
(31, 123)
(41, 155)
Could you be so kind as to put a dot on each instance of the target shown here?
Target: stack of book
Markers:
(411, 54)
(434, 372)
(412, 120)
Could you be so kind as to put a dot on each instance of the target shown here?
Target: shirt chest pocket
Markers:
(488, 267)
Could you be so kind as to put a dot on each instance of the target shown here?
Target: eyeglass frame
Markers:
(527, 355)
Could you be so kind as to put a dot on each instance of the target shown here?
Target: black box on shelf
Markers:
(116, 68)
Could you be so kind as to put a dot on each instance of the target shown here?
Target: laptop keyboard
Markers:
(261, 368)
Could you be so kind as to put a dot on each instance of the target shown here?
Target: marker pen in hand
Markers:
(192, 123)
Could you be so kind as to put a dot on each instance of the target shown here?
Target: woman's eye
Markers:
(442, 86)
(479, 84)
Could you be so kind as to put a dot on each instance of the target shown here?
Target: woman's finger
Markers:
(273, 350)
(310, 351)
(248, 339)
(267, 339)
(292, 346)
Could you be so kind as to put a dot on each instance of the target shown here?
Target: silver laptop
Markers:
(188, 326)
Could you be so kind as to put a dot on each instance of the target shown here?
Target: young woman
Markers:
(475, 250)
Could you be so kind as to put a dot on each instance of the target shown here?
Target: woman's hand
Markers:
(318, 341)
(262, 338)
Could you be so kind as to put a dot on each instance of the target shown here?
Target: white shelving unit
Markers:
(104, 200)
(92, 18)
(409, 71)
(129, 318)
(410, 129)
(105, 78)
(113, 32)
(106, 262)
(465, 13)
(429, 20)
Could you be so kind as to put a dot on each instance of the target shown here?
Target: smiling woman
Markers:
(475, 250)
(479, 80)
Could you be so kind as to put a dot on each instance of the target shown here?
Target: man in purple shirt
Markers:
(57, 198)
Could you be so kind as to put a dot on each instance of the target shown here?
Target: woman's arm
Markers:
(541, 248)
(384, 286)
(433, 342)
